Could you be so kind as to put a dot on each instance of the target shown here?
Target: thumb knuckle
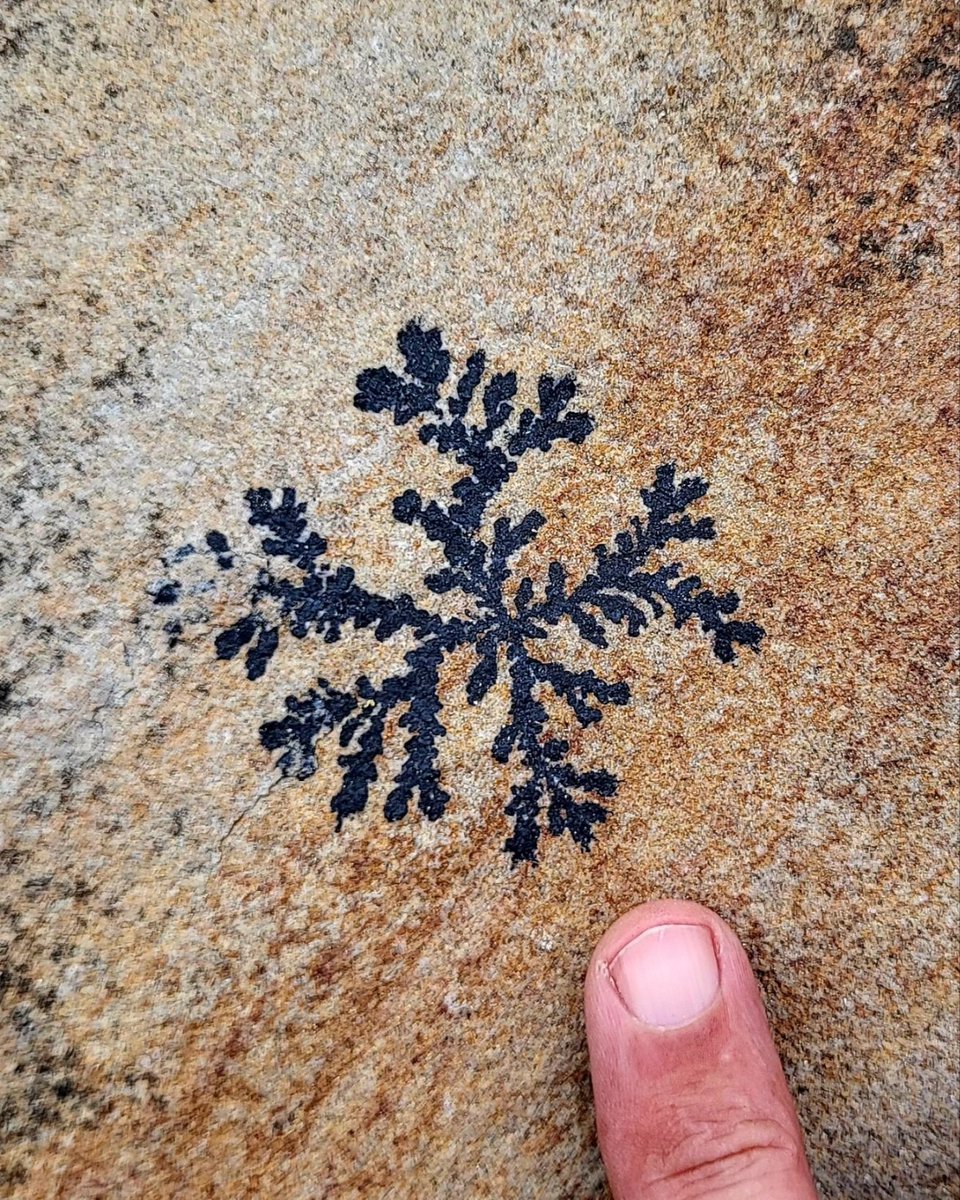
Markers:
(718, 1154)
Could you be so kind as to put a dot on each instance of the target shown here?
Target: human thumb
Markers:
(690, 1096)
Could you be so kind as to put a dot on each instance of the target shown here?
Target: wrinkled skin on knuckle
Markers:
(722, 1155)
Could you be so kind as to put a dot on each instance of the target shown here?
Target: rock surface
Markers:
(735, 224)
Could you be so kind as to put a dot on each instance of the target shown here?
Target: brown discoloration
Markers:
(737, 227)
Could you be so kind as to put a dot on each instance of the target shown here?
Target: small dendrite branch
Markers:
(622, 591)
(309, 716)
(362, 718)
(551, 780)
(318, 599)
(491, 448)
(475, 568)
(418, 689)
(577, 687)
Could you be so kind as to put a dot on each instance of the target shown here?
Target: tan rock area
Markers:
(734, 224)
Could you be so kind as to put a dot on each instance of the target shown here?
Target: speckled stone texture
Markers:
(736, 224)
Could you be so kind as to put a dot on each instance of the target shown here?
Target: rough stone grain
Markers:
(736, 223)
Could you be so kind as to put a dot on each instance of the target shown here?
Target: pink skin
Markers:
(690, 1095)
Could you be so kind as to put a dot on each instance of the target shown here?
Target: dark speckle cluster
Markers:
(168, 591)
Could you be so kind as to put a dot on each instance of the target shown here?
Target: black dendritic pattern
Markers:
(302, 594)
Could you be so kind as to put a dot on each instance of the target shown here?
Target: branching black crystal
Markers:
(302, 594)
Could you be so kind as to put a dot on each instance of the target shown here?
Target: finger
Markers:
(690, 1095)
